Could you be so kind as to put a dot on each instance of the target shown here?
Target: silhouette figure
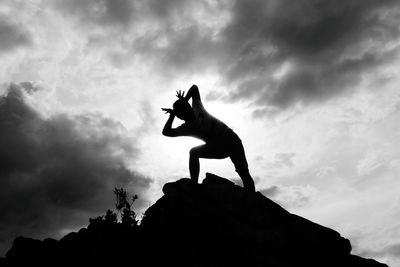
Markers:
(220, 140)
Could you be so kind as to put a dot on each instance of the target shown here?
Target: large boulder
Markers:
(218, 223)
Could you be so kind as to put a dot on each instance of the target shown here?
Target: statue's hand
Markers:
(169, 110)
(180, 95)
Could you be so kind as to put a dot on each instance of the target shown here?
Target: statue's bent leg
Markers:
(207, 151)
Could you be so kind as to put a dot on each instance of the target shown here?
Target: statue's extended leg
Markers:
(238, 158)
(248, 182)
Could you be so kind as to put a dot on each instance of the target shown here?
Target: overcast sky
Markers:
(310, 86)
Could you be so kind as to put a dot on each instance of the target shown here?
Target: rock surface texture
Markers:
(216, 223)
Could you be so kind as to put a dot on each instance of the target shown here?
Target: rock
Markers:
(356, 261)
(3, 261)
(216, 223)
(25, 248)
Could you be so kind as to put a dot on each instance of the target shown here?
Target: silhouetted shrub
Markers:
(123, 207)
(110, 217)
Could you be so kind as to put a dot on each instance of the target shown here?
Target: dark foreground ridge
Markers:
(215, 223)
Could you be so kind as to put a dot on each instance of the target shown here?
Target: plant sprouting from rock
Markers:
(124, 207)
(124, 210)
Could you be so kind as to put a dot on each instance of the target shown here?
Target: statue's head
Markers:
(183, 110)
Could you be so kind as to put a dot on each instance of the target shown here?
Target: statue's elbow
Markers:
(169, 133)
(165, 133)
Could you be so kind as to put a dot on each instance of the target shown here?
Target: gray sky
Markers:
(310, 86)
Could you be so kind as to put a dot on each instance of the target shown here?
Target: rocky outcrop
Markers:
(220, 224)
(215, 223)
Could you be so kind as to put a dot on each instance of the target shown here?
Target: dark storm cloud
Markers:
(56, 172)
(12, 36)
(328, 44)
(321, 47)
(275, 54)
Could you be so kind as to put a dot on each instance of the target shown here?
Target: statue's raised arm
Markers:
(193, 93)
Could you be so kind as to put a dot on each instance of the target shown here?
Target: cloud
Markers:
(391, 252)
(124, 15)
(275, 54)
(285, 53)
(176, 36)
(104, 12)
(368, 164)
(55, 172)
(270, 191)
(284, 160)
(290, 196)
(187, 50)
(12, 35)
(185, 36)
